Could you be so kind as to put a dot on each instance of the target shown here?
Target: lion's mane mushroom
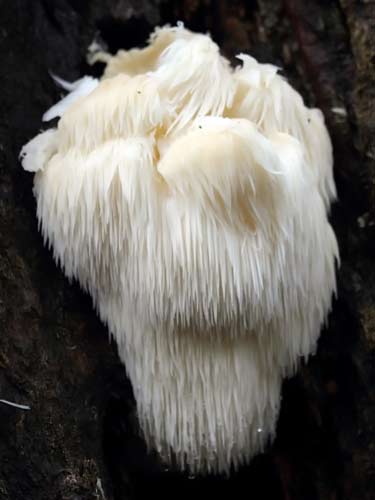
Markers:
(190, 200)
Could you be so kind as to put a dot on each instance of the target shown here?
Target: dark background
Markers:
(79, 440)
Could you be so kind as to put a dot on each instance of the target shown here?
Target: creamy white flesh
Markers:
(190, 200)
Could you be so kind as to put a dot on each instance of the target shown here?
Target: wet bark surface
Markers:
(79, 439)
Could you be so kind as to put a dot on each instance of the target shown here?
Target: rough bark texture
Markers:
(79, 439)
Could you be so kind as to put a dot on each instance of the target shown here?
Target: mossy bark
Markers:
(79, 439)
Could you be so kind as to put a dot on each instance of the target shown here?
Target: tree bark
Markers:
(79, 438)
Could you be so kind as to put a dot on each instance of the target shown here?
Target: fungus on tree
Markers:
(189, 198)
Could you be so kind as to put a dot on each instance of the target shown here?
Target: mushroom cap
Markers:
(267, 99)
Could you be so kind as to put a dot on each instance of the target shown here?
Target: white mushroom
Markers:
(190, 200)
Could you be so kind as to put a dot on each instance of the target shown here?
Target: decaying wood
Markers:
(78, 439)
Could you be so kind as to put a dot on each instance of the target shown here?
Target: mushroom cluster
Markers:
(190, 199)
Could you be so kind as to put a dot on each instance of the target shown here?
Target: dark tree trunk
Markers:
(79, 438)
